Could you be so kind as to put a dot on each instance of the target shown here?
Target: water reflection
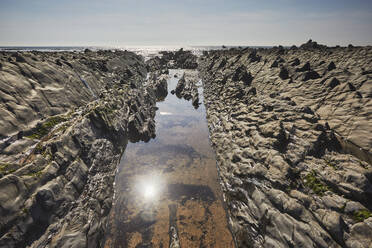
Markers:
(150, 187)
(167, 189)
(165, 113)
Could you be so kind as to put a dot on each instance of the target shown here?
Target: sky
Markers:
(187, 22)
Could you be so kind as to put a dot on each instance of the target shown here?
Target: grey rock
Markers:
(283, 74)
(352, 207)
(60, 192)
(331, 66)
(290, 175)
(305, 67)
(310, 75)
(333, 83)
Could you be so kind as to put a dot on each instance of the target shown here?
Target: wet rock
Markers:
(283, 74)
(366, 72)
(159, 85)
(274, 64)
(252, 91)
(161, 89)
(305, 67)
(333, 83)
(180, 86)
(295, 62)
(331, 66)
(222, 63)
(351, 87)
(241, 74)
(180, 59)
(310, 75)
(58, 62)
(187, 89)
(46, 199)
(18, 57)
(359, 95)
(253, 57)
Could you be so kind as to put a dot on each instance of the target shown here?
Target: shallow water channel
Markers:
(167, 190)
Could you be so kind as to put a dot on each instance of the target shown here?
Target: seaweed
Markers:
(361, 215)
(331, 164)
(37, 174)
(312, 182)
(44, 128)
(6, 168)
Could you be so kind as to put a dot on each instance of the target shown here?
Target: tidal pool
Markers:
(167, 192)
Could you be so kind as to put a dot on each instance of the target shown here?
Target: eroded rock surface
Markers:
(290, 127)
(180, 59)
(291, 130)
(57, 177)
(187, 88)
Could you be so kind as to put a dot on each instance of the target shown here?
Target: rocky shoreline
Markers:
(291, 130)
(57, 177)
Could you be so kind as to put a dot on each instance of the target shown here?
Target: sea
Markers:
(146, 51)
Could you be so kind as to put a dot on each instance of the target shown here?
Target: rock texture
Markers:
(56, 183)
(291, 130)
(187, 88)
(158, 82)
(290, 127)
(173, 60)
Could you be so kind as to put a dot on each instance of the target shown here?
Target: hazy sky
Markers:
(187, 22)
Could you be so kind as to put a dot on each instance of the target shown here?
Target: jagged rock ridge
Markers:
(57, 177)
(290, 128)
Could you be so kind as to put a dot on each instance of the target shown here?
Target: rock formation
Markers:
(187, 88)
(173, 60)
(290, 127)
(293, 144)
(64, 127)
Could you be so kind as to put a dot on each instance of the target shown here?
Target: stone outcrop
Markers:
(35, 85)
(293, 143)
(56, 184)
(180, 59)
(158, 82)
(187, 88)
(290, 128)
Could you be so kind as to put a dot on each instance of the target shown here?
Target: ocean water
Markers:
(167, 191)
(146, 51)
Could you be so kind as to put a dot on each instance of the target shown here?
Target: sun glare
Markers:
(150, 187)
(149, 191)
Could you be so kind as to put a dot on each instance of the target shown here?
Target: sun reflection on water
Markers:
(149, 191)
(150, 187)
(165, 113)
